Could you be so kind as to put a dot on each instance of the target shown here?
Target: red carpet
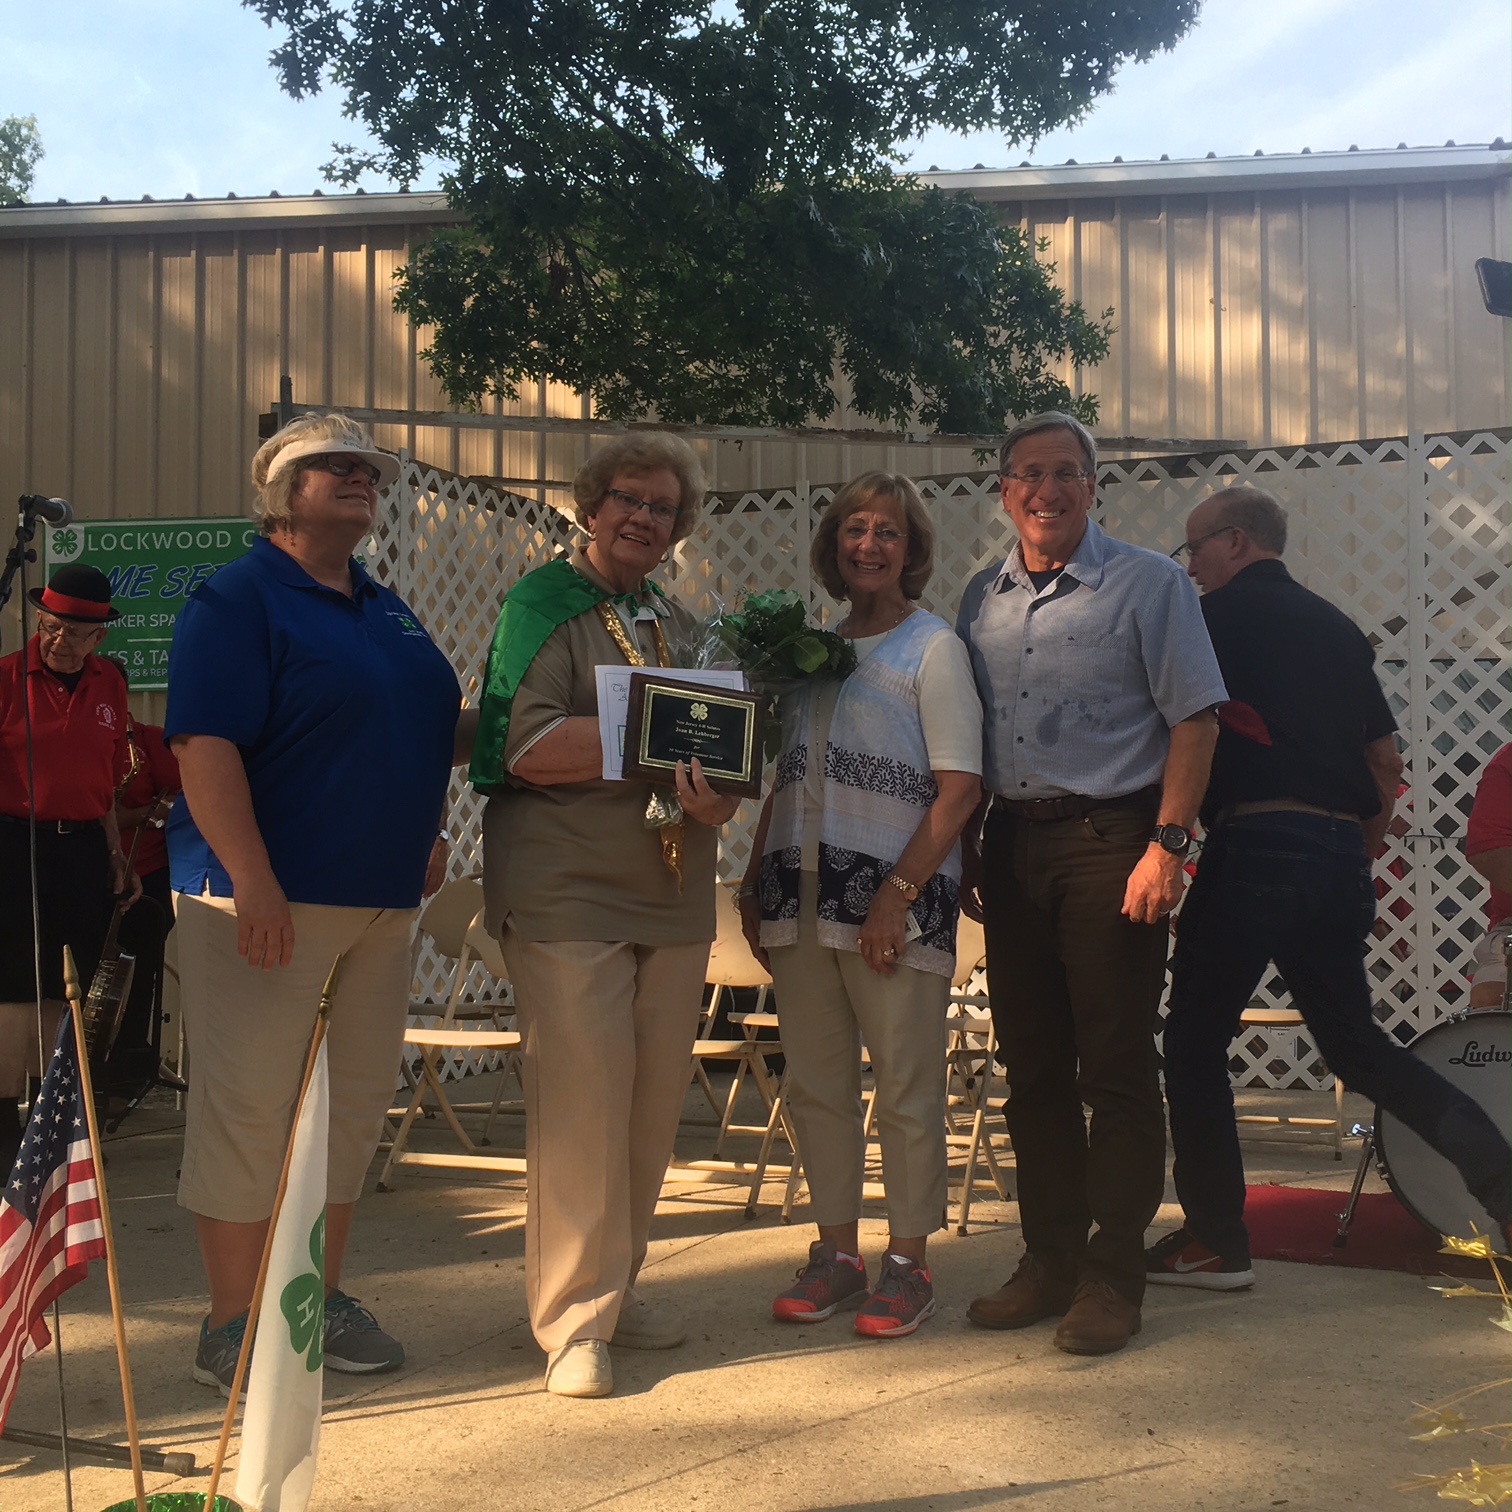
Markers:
(1298, 1223)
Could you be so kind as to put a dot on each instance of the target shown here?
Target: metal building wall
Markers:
(1288, 317)
(138, 343)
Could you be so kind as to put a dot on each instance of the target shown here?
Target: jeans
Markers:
(1295, 889)
(1075, 993)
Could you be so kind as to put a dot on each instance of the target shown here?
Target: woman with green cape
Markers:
(605, 921)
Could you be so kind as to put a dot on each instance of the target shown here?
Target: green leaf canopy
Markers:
(694, 208)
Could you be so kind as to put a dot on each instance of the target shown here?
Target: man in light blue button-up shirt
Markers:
(1098, 684)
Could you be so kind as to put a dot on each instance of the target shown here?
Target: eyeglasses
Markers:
(662, 512)
(1034, 477)
(1187, 548)
(342, 467)
(73, 635)
(883, 535)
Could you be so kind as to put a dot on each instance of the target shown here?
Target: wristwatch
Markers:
(910, 890)
(1176, 838)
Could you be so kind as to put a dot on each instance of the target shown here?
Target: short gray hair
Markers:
(274, 495)
(1049, 420)
(1257, 513)
(638, 453)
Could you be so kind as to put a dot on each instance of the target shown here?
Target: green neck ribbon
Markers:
(543, 599)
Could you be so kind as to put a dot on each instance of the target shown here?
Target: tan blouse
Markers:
(575, 861)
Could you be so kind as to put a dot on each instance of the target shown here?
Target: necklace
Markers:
(663, 814)
(898, 617)
(621, 637)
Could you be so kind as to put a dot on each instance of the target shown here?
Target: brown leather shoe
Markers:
(1033, 1292)
(1100, 1320)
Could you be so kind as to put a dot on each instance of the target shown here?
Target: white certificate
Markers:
(614, 703)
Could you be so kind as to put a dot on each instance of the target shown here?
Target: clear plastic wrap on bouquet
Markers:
(770, 639)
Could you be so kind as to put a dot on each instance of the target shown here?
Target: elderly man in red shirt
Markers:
(74, 705)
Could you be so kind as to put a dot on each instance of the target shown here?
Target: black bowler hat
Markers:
(77, 592)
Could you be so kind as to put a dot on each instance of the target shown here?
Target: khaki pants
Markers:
(607, 1033)
(828, 1002)
(249, 1036)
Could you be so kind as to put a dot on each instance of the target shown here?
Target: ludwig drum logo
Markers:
(1473, 1055)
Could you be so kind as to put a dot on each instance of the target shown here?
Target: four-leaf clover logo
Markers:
(303, 1303)
(65, 545)
(699, 711)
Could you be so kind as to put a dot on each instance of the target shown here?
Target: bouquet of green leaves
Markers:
(771, 640)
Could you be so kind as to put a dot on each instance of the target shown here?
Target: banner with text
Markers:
(153, 567)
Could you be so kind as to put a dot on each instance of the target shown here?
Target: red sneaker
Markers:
(901, 1300)
(825, 1285)
(1181, 1259)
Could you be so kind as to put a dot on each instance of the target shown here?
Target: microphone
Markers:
(54, 511)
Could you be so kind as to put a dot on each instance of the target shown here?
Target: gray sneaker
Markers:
(354, 1343)
(215, 1360)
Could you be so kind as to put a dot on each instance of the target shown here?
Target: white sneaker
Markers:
(647, 1325)
(580, 1369)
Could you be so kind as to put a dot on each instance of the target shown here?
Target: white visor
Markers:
(386, 462)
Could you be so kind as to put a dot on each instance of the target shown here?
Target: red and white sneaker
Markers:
(901, 1300)
(825, 1285)
(1181, 1259)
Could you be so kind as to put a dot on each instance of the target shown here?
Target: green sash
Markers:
(544, 598)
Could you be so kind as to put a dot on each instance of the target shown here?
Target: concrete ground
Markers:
(1294, 1394)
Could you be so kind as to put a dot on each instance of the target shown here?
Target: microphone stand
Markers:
(16, 558)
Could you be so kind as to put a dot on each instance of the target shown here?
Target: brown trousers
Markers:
(1075, 993)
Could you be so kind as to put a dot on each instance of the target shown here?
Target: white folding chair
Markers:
(1259, 1016)
(447, 1040)
(732, 965)
(970, 1069)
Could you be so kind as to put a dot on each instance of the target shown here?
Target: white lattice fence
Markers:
(1408, 537)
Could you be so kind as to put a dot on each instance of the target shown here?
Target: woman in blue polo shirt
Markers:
(314, 721)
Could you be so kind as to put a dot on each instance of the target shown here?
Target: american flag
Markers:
(50, 1225)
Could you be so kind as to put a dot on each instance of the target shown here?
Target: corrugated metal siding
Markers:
(133, 364)
(1288, 317)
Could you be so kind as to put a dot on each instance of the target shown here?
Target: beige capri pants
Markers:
(249, 1036)
(828, 1002)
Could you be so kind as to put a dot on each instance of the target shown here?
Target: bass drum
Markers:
(1474, 1051)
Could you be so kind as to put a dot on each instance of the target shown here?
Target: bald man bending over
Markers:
(1302, 787)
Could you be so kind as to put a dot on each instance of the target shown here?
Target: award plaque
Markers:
(675, 721)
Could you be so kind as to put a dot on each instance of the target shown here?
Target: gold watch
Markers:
(910, 890)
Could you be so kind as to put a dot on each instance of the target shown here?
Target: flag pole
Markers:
(322, 1019)
(117, 1313)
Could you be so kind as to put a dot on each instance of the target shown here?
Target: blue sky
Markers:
(174, 97)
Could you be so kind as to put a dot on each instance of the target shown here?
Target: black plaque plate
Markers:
(672, 721)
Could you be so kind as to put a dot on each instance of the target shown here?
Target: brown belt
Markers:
(1279, 806)
(1073, 806)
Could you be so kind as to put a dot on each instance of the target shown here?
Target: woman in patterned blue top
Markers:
(852, 897)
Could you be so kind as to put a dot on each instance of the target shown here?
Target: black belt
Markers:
(1073, 805)
(53, 826)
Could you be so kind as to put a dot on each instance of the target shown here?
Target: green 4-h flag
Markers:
(281, 1424)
